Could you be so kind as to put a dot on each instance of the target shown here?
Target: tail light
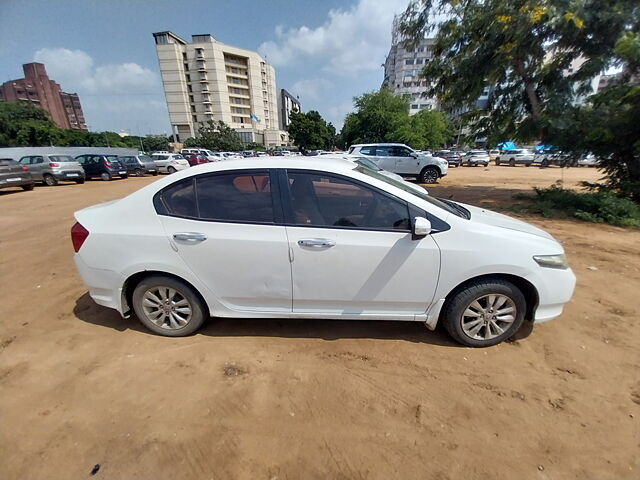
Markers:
(25, 169)
(54, 164)
(78, 235)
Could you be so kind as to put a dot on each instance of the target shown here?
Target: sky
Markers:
(324, 51)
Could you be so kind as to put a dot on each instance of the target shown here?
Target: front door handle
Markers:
(190, 236)
(316, 242)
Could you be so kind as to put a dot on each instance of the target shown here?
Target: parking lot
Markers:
(275, 399)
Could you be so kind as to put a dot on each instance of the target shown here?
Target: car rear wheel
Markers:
(429, 175)
(168, 306)
(27, 187)
(484, 312)
(497, 162)
(49, 180)
(138, 172)
(171, 170)
(155, 173)
(512, 163)
(106, 176)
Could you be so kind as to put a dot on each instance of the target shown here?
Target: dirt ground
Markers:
(267, 399)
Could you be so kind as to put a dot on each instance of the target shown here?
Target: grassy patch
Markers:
(598, 207)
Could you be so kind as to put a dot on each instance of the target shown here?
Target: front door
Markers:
(353, 252)
(229, 238)
(385, 159)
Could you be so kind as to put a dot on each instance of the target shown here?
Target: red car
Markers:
(195, 158)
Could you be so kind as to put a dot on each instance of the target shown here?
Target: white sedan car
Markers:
(315, 238)
(169, 162)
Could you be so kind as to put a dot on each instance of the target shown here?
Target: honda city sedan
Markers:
(315, 238)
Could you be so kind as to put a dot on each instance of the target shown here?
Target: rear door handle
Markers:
(190, 236)
(316, 242)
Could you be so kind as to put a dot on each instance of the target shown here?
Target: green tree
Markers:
(526, 51)
(216, 135)
(310, 131)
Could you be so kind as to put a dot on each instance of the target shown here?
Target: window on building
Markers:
(194, 118)
(188, 77)
(408, 61)
(414, 106)
(162, 39)
(193, 108)
(190, 88)
(419, 61)
(191, 98)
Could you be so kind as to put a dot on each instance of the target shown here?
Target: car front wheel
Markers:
(168, 306)
(171, 170)
(429, 175)
(484, 313)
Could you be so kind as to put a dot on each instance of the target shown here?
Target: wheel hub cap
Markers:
(488, 316)
(166, 307)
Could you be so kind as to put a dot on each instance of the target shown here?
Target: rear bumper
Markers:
(105, 286)
(68, 175)
(20, 180)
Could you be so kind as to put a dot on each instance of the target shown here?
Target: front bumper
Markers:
(555, 288)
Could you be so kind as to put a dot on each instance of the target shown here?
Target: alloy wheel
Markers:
(488, 316)
(166, 307)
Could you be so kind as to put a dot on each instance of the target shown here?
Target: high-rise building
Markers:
(37, 88)
(287, 103)
(207, 80)
(403, 67)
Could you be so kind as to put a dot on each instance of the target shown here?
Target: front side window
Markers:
(401, 152)
(25, 160)
(367, 151)
(328, 201)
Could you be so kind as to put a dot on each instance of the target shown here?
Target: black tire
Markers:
(138, 172)
(126, 175)
(463, 298)
(183, 290)
(497, 162)
(27, 187)
(527, 164)
(512, 163)
(544, 164)
(155, 173)
(80, 181)
(171, 170)
(429, 175)
(106, 176)
(49, 180)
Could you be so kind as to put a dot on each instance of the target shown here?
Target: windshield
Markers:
(446, 205)
(365, 162)
(61, 158)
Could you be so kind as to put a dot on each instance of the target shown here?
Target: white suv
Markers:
(403, 160)
(211, 156)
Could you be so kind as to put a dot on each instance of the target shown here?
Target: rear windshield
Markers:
(178, 156)
(61, 158)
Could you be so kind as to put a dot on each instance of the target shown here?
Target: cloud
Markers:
(310, 89)
(329, 64)
(350, 41)
(119, 96)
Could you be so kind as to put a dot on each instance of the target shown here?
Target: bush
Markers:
(598, 207)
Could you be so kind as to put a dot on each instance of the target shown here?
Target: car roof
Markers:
(379, 145)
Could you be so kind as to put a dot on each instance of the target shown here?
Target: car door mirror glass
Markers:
(421, 227)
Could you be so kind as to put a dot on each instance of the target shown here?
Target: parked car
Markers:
(401, 159)
(519, 156)
(169, 162)
(51, 169)
(138, 165)
(493, 154)
(475, 158)
(12, 174)
(315, 238)
(453, 158)
(546, 158)
(230, 156)
(589, 160)
(103, 166)
(211, 156)
(195, 159)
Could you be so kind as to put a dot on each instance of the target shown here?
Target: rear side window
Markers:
(178, 200)
(229, 197)
(236, 197)
(367, 150)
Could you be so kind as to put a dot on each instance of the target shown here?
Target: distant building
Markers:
(207, 80)
(36, 87)
(287, 103)
(403, 67)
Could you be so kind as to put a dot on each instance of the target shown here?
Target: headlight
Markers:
(552, 261)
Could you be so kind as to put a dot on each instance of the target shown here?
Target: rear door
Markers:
(227, 228)
(405, 163)
(385, 158)
(352, 249)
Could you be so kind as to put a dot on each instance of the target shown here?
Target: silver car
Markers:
(51, 169)
(138, 165)
(518, 156)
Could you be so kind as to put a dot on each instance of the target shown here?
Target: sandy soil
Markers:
(265, 399)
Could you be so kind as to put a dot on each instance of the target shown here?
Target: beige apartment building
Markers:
(207, 80)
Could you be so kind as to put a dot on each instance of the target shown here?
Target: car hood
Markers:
(494, 219)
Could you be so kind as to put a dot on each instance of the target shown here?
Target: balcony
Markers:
(202, 67)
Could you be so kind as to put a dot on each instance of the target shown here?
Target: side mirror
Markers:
(421, 227)
(414, 154)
